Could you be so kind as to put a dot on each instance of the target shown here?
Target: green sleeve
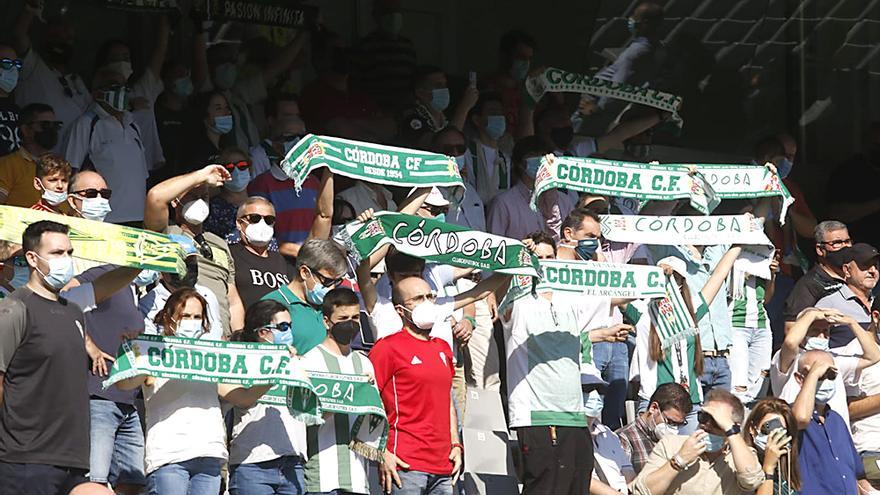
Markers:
(631, 315)
(702, 309)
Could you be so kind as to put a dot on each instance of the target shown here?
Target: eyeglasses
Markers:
(422, 298)
(284, 326)
(837, 243)
(256, 217)
(670, 422)
(241, 165)
(204, 247)
(325, 281)
(92, 193)
(44, 124)
(454, 149)
(436, 210)
(8, 63)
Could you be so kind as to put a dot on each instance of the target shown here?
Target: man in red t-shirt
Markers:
(414, 375)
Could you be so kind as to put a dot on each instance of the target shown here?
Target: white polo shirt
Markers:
(611, 460)
(39, 83)
(149, 87)
(866, 431)
(117, 152)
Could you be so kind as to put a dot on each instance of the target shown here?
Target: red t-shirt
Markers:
(415, 381)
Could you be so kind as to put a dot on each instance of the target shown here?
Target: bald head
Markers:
(812, 358)
(407, 289)
(91, 489)
(87, 179)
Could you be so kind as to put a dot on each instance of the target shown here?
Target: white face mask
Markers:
(52, 197)
(60, 271)
(189, 328)
(95, 208)
(195, 212)
(424, 315)
(259, 234)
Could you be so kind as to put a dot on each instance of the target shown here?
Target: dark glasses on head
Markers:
(256, 217)
(8, 63)
(284, 326)
(91, 193)
(241, 165)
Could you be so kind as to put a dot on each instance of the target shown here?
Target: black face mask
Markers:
(562, 136)
(59, 53)
(344, 331)
(47, 138)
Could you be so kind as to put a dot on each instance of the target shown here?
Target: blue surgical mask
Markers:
(784, 168)
(21, 274)
(714, 443)
(593, 404)
(183, 87)
(440, 99)
(239, 182)
(146, 277)
(54, 198)
(60, 271)
(223, 124)
(288, 145)
(8, 79)
(225, 75)
(495, 126)
(532, 166)
(315, 295)
(519, 69)
(95, 209)
(282, 337)
(816, 344)
(825, 391)
(460, 161)
(191, 329)
(586, 248)
(631, 26)
(761, 440)
(441, 217)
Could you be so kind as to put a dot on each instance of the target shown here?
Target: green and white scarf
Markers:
(439, 242)
(238, 363)
(664, 182)
(554, 80)
(370, 162)
(355, 395)
(641, 181)
(681, 230)
(670, 316)
(104, 242)
(590, 278)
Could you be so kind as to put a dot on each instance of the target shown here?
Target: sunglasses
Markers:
(8, 63)
(325, 281)
(284, 326)
(678, 424)
(92, 193)
(241, 165)
(256, 217)
(454, 149)
(436, 210)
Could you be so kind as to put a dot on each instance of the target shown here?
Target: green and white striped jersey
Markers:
(748, 311)
(332, 465)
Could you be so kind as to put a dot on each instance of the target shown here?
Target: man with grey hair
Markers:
(258, 270)
(320, 267)
(825, 276)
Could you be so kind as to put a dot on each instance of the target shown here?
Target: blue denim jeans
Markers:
(716, 374)
(199, 476)
(612, 360)
(282, 476)
(117, 444)
(419, 483)
(750, 367)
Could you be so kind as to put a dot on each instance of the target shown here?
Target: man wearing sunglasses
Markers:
(713, 460)
(188, 196)
(854, 298)
(667, 412)
(828, 459)
(10, 66)
(258, 271)
(38, 129)
(107, 139)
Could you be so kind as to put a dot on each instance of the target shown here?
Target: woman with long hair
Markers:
(772, 430)
(682, 361)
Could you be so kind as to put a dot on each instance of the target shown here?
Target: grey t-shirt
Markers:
(44, 418)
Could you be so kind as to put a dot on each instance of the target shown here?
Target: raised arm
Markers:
(161, 195)
(795, 336)
(241, 396)
(21, 38)
(112, 282)
(803, 406)
(870, 349)
(323, 208)
(719, 274)
(414, 201)
(157, 58)
(624, 131)
(482, 290)
(199, 72)
(283, 60)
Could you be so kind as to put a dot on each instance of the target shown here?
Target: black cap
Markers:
(860, 252)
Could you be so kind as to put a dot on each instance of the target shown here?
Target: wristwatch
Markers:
(734, 430)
